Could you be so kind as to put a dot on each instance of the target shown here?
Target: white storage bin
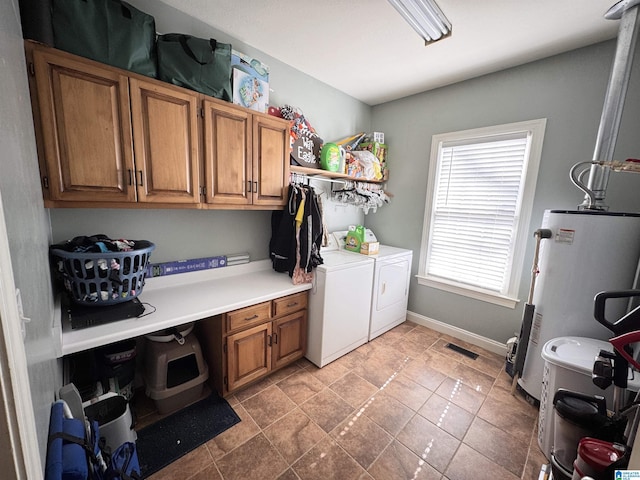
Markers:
(113, 415)
(568, 362)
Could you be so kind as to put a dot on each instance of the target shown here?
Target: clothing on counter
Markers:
(300, 275)
(282, 246)
(296, 234)
(96, 244)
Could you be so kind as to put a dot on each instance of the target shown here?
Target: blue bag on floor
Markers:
(124, 464)
(72, 454)
(66, 456)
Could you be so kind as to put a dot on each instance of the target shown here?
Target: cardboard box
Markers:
(252, 66)
(184, 266)
(370, 248)
(250, 92)
(250, 82)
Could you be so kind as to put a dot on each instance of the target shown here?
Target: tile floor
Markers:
(400, 407)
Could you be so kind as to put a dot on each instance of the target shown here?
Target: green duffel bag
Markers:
(108, 31)
(195, 63)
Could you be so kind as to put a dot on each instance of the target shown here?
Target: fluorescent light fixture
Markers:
(425, 17)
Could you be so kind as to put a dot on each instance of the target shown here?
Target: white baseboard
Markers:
(474, 339)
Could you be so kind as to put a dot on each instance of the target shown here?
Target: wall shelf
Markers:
(312, 172)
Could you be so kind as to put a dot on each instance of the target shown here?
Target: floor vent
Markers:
(461, 350)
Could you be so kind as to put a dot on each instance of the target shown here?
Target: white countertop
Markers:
(180, 299)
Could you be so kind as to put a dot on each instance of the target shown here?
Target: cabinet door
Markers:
(166, 141)
(270, 161)
(248, 356)
(85, 126)
(227, 140)
(289, 338)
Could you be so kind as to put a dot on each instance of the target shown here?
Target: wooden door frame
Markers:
(17, 419)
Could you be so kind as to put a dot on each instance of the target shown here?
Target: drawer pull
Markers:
(251, 318)
(292, 304)
(275, 338)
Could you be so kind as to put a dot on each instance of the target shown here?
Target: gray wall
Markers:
(26, 220)
(332, 113)
(568, 90)
(182, 234)
(179, 234)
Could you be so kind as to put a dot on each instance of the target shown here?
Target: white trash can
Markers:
(113, 415)
(568, 362)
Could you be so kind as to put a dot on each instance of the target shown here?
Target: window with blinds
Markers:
(478, 189)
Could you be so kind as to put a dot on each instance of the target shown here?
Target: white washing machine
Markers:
(390, 289)
(339, 305)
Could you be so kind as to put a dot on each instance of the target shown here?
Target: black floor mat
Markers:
(168, 439)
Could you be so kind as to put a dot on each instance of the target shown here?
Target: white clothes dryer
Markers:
(391, 281)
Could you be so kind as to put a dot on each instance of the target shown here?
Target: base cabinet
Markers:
(248, 344)
(248, 356)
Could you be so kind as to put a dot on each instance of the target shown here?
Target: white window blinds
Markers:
(475, 210)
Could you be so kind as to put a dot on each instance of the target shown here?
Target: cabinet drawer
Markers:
(292, 303)
(246, 317)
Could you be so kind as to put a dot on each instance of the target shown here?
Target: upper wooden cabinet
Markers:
(85, 129)
(166, 143)
(246, 157)
(108, 137)
(227, 147)
(270, 161)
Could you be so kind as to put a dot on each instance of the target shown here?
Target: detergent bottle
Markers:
(332, 157)
(355, 237)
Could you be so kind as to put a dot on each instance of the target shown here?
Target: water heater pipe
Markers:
(628, 13)
(580, 169)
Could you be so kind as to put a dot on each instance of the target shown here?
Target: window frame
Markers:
(535, 128)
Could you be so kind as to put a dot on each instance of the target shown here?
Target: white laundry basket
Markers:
(568, 362)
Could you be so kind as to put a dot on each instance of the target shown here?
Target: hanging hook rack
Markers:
(304, 178)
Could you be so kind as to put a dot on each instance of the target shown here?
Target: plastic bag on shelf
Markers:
(371, 169)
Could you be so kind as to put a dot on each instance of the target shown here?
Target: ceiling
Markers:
(365, 49)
